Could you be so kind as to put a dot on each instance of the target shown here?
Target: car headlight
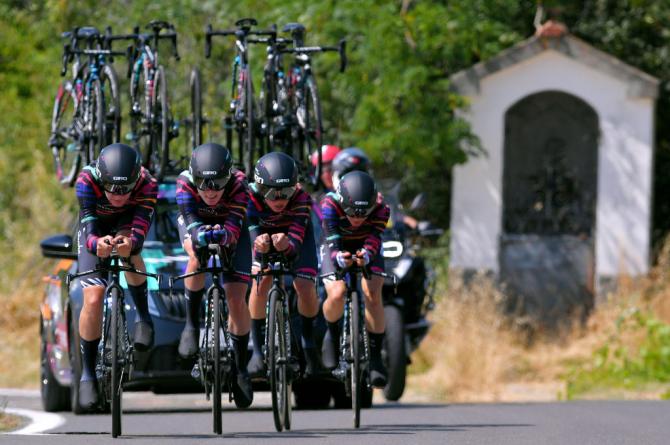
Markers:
(392, 249)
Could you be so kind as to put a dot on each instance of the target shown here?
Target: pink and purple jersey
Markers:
(229, 212)
(340, 235)
(96, 213)
(293, 220)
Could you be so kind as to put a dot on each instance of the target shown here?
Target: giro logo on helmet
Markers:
(120, 178)
(209, 172)
(283, 180)
(361, 203)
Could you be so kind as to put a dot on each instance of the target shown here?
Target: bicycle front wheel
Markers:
(117, 357)
(65, 135)
(249, 127)
(354, 338)
(96, 122)
(160, 128)
(278, 360)
(216, 356)
(196, 109)
(110, 87)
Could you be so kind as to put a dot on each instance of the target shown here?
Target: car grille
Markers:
(174, 305)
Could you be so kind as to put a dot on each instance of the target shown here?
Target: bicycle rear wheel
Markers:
(196, 109)
(96, 121)
(356, 359)
(277, 360)
(310, 122)
(66, 135)
(117, 355)
(216, 356)
(110, 84)
(249, 130)
(161, 120)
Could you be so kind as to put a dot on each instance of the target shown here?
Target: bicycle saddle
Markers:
(157, 25)
(87, 32)
(293, 27)
(246, 23)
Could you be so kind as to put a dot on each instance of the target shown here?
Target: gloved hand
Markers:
(343, 259)
(365, 256)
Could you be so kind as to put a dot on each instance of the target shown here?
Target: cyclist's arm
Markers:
(187, 202)
(146, 198)
(301, 217)
(88, 192)
(331, 225)
(377, 219)
(238, 202)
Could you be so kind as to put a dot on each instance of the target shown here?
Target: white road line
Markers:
(13, 392)
(39, 421)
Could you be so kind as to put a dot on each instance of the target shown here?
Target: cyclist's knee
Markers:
(336, 290)
(93, 297)
(305, 288)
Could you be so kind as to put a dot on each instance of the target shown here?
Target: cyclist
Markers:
(212, 200)
(279, 217)
(116, 197)
(328, 153)
(352, 159)
(354, 217)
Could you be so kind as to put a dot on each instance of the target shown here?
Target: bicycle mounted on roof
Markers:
(86, 113)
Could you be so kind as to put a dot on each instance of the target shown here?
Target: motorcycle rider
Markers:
(117, 197)
(354, 217)
(279, 217)
(212, 199)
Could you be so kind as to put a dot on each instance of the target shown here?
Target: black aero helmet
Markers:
(211, 166)
(357, 194)
(119, 167)
(276, 176)
(350, 159)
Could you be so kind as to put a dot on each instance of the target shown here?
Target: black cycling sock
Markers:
(89, 352)
(376, 342)
(240, 346)
(307, 336)
(140, 297)
(193, 307)
(334, 330)
(258, 335)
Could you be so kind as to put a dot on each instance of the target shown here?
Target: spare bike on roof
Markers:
(86, 112)
(152, 125)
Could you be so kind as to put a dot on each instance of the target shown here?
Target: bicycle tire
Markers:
(64, 142)
(196, 108)
(140, 107)
(312, 124)
(250, 124)
(113, 109)
(276, 347)
(96, 121)
(216, 356)
(354, 326)
(160, 125)
(116, 334)
(268, 97)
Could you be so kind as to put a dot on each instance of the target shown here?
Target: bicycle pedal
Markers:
(195, 372)
(340, 372)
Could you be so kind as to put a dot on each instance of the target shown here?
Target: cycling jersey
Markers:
(96, 213)
(341, 235)
(293, 220)
(229, 212)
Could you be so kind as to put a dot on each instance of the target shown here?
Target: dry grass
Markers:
(473, 353)
(8, 422)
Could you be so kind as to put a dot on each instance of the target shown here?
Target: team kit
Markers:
(320, 236)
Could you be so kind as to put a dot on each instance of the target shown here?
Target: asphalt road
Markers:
(186, 419)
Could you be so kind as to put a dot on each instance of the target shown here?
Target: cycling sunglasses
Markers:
(276, 193)
(216, 184)
(357, 212)
(118, 189)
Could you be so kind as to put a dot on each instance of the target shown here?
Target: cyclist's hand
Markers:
(280, 241)
(344, 259)
(363, 257)
(104, 246)
(262, 243)
(123, 245)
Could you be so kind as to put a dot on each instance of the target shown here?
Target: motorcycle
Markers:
(408, 300)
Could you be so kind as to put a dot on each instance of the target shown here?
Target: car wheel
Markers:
(75, 363)
(394, 353)
(55, 397)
